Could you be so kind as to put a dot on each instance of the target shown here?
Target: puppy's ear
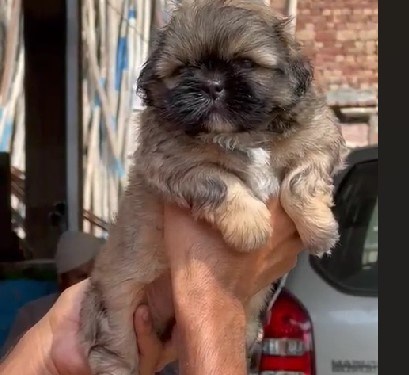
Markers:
(300, 72)
(147, 80)
(299, 68)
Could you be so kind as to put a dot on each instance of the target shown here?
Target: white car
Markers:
(325, 320)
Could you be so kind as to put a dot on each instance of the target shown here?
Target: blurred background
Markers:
(67, 82)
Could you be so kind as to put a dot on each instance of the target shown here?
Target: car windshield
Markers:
(353, 265)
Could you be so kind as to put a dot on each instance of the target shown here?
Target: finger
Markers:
(149, 345)
(182, 234)
(282, 224)
(169, 353)
(68, 306)
(273, 204)
(175, 241)
(283, 261)
(279, 217)
(78, 292)
(177, 216)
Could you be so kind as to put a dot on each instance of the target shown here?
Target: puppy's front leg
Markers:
(106, 327)
(307, 197)
(221, 199)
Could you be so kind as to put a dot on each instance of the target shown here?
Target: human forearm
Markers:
(211, 283)
(211, 327)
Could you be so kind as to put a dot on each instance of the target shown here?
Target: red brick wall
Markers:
(278, 5)
(341, 37)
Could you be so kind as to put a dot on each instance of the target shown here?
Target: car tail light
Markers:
(288, 347)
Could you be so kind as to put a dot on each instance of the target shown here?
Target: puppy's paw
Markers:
(319, 238)
(247, 227)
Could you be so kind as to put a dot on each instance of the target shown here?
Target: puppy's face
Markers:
(224, 66)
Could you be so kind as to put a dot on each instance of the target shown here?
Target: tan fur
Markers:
(223, 177)
(243, 220)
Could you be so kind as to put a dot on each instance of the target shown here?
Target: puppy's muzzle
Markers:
(214, 88)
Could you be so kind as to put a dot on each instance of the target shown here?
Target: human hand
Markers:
(212, 283)
(154, 355)
(52, 346)
(197, 251)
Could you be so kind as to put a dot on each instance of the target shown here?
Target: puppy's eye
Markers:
(247, 63)
(176, 72)
(279, 70)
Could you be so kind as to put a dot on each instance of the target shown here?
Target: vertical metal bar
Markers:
(291, 10)
(74, 116)
(45, 90)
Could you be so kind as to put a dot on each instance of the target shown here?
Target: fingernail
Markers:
(143, 313)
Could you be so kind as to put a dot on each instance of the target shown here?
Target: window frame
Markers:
(355, 160)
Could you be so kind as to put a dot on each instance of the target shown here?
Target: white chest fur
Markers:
(260, 175)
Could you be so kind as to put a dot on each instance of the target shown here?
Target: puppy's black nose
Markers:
(215, 88)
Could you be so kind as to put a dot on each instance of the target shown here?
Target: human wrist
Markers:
(207, 337)
(211, 326)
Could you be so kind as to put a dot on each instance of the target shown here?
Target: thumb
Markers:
(150, 348)
(169, 353)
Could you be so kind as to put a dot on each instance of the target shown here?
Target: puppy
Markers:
(231, 120)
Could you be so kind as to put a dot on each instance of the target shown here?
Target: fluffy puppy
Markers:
(232, 119)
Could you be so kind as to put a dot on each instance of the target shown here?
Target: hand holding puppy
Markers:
(211, 285)
(198, 249)
(201, 291)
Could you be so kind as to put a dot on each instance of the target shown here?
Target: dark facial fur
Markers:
(212, 72)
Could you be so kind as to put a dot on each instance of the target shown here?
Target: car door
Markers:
(340, 291)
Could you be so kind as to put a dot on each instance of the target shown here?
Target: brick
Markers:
(325, 35)
(350, 59)
(346, 34)
(359, 44)
(341, 38)
(370, 48)
(368, 34)
(306, 34)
